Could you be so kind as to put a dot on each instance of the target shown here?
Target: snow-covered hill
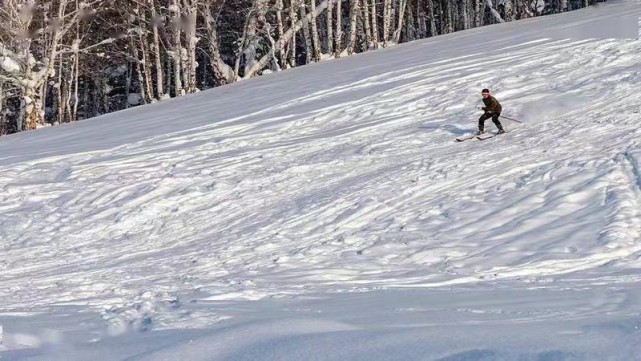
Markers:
(325, 213)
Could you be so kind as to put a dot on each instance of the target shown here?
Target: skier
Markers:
(492, 110)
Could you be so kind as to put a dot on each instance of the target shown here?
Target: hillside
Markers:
(325, 213)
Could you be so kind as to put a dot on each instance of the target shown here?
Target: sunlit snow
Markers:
(326, 213)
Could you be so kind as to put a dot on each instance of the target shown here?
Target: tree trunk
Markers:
(509, 10)
(387, 20)
(139, 71)
(447, 14)
(519, 9)
(353, 12)
(564, 5)
(190, 34)
(366, 24)
(177, 51)
(493, 11)
(3, 124)
(399, 26)
(74, 109)
(422, 19)
(251, 41)
(59, 105)
(330, 37)
(155, 20)
(375, 37)
(222, 73)
(280, 31)
(464, 20)
(293, 19)
(430, 13)
(315, 37)
(306, 35)
(339, 30)
(168, 70)
(283, 41)
(146, 64)
(409, 31)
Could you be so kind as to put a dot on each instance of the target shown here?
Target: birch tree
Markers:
(387, 21)
(190, 14)
(329, 39)
(353, 13)
(464, 19)
(375, 37)
(32, 41)
(315, 37)
(366, 24)
(222, 72)
(252, 39)
(508, 10)
(283, 41)
(306, 34)
(399, 24)
(339, 30)
(495, 14)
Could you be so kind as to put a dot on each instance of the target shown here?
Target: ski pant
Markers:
(486, 116)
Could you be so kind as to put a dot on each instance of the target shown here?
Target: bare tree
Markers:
(156, 22)
(387, 20)
(177, 49)
(464, 20)
(509, 10)
(306, 34)
(287, 37)
(31, 42)
(339, 30)
(190, 16)
(399, 25)
(375, 38)
(315, 36)
(353, 13)
(493, 11)
(366, 24)
(222, 73)
(293, 19)
(252, 38)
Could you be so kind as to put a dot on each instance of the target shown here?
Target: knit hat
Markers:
(485, 91)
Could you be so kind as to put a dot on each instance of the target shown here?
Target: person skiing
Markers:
(492, 109)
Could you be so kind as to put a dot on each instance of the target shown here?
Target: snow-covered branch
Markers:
(493, 11)
(262, 63)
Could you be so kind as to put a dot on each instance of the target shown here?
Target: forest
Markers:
(66, 60)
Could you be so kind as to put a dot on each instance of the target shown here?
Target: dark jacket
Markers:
(492, 105)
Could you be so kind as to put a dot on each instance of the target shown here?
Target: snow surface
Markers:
(325, 212)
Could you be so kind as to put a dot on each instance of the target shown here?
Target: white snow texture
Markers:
(326, 213)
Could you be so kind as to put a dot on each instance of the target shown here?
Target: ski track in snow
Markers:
(370, 192)
(353, 185)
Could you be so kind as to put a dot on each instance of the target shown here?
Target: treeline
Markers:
(64, 60)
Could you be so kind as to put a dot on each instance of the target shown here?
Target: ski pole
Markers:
(518, 121)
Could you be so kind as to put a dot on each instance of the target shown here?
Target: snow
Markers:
(134, 99)
(9, 65)
(325, 212)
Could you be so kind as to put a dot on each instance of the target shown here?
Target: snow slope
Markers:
(326, 213)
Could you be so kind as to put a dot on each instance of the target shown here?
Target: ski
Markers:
(462, 139)
(485, 136)
(479, 137)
